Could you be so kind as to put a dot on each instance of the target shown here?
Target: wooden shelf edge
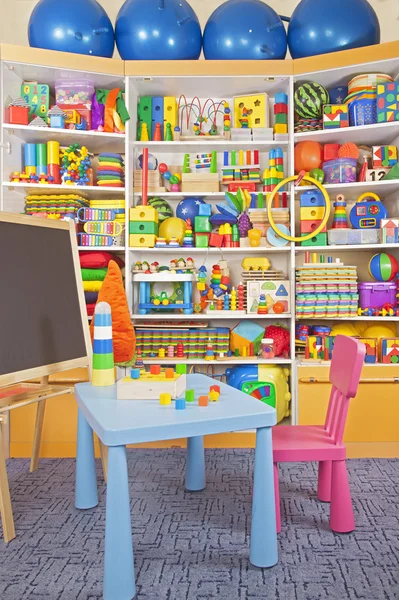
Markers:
(346, 58)
(195, 68)
(61, 60)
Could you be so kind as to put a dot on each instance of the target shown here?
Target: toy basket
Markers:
(376, 294)
(362, 112)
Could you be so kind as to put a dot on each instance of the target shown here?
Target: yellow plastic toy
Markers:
(287, 181)
(255, 264)
(173, 228)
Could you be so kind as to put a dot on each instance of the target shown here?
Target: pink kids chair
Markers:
(323, 443)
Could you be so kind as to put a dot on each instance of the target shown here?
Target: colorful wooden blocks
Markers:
(190, 396)
(388, 102)
(149, 386)
(280, 111)
(215, 388)
(389, 231)
(213, 396)
(135, 373)
(311, 211)
(165, 399)
(203, 401)
(155, 369)
(390, 351)
(335, 116)
(169, 373)
(181, 369)
(180, 404)
(143, 227)
(384, 156)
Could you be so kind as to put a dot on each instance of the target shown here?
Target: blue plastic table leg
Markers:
(263, 551)
(86, 495)
(118, 556)
(195, 464)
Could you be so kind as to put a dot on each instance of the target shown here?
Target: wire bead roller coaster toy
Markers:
(204, 113)
(297, 179)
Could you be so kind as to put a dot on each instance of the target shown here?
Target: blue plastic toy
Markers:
(80, 26)
(188, 208)
(318, 27)
(158, 30)
(244, 30)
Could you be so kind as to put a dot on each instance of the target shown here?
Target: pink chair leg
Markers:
(277, 498)
(341, 509)
(324, 481)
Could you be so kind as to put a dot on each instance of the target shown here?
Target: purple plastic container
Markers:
(376, 294)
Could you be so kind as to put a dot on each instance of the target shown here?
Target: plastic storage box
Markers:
(340, 170)
(362, 112)
(74, 91)
(376, 294)
(341, 237)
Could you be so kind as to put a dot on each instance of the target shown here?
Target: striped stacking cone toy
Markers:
(103, 353)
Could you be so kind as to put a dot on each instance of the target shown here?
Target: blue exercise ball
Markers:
(244, 30)
(188, 208)
(80, 26)
(318, 27)
(158, 30)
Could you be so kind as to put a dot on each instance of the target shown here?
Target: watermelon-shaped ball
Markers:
(162, 207)
(309, 99)
(383, 267)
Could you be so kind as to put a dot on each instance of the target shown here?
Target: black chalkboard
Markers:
(40, 316)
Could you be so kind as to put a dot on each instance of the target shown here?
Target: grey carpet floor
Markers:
(196, 546)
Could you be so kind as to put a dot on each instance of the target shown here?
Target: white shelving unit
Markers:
(12, 195)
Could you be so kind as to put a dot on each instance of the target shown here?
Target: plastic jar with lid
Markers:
(267, 348)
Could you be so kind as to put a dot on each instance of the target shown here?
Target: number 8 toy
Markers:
(298, 178)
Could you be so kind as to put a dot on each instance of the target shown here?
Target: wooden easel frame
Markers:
(38, 393)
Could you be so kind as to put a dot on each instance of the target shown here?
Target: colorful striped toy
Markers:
(103, 353)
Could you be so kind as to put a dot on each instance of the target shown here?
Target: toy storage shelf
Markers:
(353, 190)
(107, 248)
(238, 361)
(206, 317)
(370, 135)
(344, 248)
(95, 140)
(92, 191)
(219, 251)
(208, 144)
(343, 319)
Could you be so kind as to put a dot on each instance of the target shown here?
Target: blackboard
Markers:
(42, 325)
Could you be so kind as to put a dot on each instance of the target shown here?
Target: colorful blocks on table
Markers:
(190, 396)
(143, 213)
(215, 388)
(134, 373)
(213, 396)
(169, 373)
(155, 369)
(181, 369)
(203, 401)
(180, 404)
(165, 399)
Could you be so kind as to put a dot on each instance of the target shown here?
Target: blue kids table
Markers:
(121, 422)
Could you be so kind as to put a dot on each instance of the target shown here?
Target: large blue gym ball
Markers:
(244, 30)
(188, 208)
(158, 30)
(318, 27)
(80, 26)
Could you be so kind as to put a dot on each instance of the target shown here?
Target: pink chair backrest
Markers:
(346, 367)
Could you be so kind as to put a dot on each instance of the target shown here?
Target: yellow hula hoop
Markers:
(326, 213)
